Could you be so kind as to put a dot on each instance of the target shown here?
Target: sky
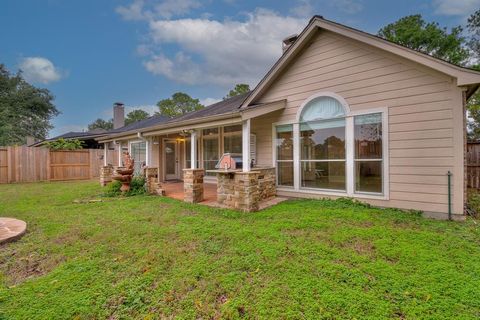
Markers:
(92, 53)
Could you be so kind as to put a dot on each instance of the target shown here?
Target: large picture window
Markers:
(329, 148)
(368, 153)
(210, 149)
(322, 145)
(232, 139)
(284, 151)
(138, 152)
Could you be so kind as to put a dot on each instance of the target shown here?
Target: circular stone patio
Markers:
(11, 229)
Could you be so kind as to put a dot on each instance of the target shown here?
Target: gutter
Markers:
(239, 114)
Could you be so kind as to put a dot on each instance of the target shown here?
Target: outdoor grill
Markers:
(230, 161)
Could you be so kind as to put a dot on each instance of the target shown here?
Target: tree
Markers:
(25, 110)
(473, 105)
(101, 124)
(136, 115)
(428, 37)
(239, 89)
(65, 144)
(474, 27)
(179, 104)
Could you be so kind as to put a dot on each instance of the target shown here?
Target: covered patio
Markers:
(181, 157)
(174, 190)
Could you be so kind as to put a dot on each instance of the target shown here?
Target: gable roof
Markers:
(230, 106)
(464, 76)
(145, 123)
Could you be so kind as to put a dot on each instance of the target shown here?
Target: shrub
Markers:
(113, 189)
(65, 144)
(137, 187)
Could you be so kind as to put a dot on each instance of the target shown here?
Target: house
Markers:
(342, 113)
(87, 137)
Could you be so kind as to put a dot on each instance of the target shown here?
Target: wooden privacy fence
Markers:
(473, 165)
(28, 164)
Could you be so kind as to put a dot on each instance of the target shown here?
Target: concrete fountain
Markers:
(125, 174)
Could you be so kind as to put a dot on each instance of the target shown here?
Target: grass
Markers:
(149, 257)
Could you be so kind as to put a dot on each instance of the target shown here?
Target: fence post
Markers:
(9, 164)
(49, 169)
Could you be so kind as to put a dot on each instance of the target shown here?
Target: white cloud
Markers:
(456, 7)
(208, 101)
(142, 10)
(348, 6)
(303, 9)
(170, 8)
(41, 70)
(132, 12)
(220, 52)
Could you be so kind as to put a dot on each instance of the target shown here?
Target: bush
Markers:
(113, 189)
(137, 187)
(65, 144)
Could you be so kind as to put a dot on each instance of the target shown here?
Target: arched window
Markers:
(322, 143)
(322, 108)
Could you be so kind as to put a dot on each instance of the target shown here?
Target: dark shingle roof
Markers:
(230, 105)
(149, 122)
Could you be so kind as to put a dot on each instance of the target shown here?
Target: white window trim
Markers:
(350, 152)
(333, 95)
(147, 152)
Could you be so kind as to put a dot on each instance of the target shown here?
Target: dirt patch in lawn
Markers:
(17, 268)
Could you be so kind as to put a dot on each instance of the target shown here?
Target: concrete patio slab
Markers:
(11, 229)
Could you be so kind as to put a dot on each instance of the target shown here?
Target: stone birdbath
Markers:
(11, 229)
(125, 174)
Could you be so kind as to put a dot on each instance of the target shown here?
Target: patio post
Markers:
(105, 149)
(119, 153)
(193, 149)
(246, 145)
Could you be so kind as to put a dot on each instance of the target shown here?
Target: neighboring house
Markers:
(341, 113)
(88, 138)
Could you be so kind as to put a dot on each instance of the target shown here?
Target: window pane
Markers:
(232, 144)
(368, 136)
(188, 153)
(285, 173)
(322, 108)
(139, 154)
(210, 153)
(284, 142)
(236, 128)
(323, 141)
(323, 175)
(368, 176)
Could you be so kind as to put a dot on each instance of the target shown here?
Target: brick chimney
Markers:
(118, 115)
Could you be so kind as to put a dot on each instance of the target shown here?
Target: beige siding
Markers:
(424, 108)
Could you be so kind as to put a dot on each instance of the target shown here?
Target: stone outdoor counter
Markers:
(244, 190)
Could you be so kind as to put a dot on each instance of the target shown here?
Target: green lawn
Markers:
(149, 257)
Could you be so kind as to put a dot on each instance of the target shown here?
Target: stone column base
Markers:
(239, 190)
(247, 196)
(151, 180)
(193, 185)
(106, 173)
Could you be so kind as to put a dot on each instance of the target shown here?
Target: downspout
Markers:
(449, 176)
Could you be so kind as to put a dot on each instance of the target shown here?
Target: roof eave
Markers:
(173, 125)
(464, 77)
